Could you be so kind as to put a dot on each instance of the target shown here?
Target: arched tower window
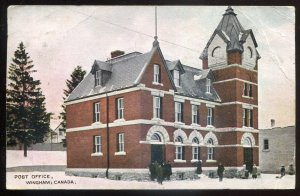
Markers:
(216, 51)
(250, 53)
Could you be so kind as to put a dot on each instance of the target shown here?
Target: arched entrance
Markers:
(248, 142)
(157, 136)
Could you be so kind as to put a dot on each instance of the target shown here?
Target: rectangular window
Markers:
(247, 90)
(120, 142)
(195, 152)
(208, 85)
(247, 117)
(179, 153)
(178, 112)
(266, 144)
(156, 75)
(97, 144)
(96, 112)
(210, 153)
(176, 77)
(120, 108)
(156, 107)
(195, 114)
(98, 78)
(210, 116)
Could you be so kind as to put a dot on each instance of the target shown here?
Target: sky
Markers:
(58, 38)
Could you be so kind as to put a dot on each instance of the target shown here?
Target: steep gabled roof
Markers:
(173, 64)
(234, 33)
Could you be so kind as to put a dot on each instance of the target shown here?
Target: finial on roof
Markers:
(155, 43)
(229, 10)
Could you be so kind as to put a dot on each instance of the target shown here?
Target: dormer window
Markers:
(176, 76)
(98, 78)
(208, 85)
(156, 75)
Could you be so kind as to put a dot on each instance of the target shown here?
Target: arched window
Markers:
(247, 142)
(249, 52)
(195, 149)
(155, 137)
(210, 149)
(216, 51)
(179, 149)
(195, 140)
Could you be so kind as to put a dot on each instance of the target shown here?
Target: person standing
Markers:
(160, 174)
(199, 167)
(152, 171)
(254, 172)
(220, 171)
(282, 171)
(168, 170)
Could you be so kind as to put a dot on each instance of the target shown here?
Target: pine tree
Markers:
(27, 121)
(76, 77)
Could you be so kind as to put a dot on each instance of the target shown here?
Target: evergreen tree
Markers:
(76, 77)
(27, 121)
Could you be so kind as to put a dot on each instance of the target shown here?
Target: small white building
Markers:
(276, 148)
(57, 135)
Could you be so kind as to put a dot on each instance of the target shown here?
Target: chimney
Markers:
(272, 123)
(116, 53)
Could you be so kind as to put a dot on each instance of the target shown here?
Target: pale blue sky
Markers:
(58, 38)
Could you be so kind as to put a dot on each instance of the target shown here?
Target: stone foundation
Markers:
(144, 174)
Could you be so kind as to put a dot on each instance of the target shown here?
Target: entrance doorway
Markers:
(157, 153)
(248, 154)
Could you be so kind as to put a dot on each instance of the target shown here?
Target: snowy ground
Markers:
(58, 179)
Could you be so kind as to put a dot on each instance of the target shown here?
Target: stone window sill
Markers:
(96, 123)
(211, 161)
(179, 161)
(247, 97)
(266, 150)
(210, 126)
(195, 125)
(120, 153)
(97, 154)
(119, 120)
(195, 160)
(156, 83)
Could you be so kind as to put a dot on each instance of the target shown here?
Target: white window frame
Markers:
(120, 109)
(97, 144)
(210, 149)
(178, 112)
(156, 107)
(195, 114)
(121, 142)
(264, 144)
(156, 73)
(178, 153)
(176, 76)
(97, 112)
(195, 149)
(247, 117)
(98, 78)
(209, 116)
(208, 85)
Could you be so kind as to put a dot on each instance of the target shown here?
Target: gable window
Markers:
(195, 114)
(120, 108)
(210, 149)
(157, 107)
(216, 51)
(247, 90)
(120, 142)
(98, 78)
(195, 150)
(96, 112)
(210, 116)
(97, 144)
(156, 75)
(179, 149)
(176, 76)
(247, 118)
(250, 52)
(266, 144)
(208, 85)
(178, 112)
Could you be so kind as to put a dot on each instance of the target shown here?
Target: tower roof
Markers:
(231, 31)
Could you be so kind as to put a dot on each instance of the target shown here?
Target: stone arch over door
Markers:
(211, 135)
(196, 134)
(246, 138)
(159, 130)
(182, 134)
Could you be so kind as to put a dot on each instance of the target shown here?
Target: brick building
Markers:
(137, 108)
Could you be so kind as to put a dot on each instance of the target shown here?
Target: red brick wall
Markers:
(234, 58)
(205, 63)
(235, 72)
(147, 77)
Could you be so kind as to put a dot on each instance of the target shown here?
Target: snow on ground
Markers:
(19, 180)
(267, 181)
(16, 158)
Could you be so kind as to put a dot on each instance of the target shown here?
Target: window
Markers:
(96, 112)
(178, 112)
(97, 144)
(210, 116)
(210, 149)
(195, 149)
(157, 107)
(247, 90)
(120, 108)
(266, 144)
(176, 77)
(250, 52)
(208, 85)
(179, 148)
(247, 118)
(155, 137)
(156, 75)
(195, 114)
(98, 77)
(120, 142)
